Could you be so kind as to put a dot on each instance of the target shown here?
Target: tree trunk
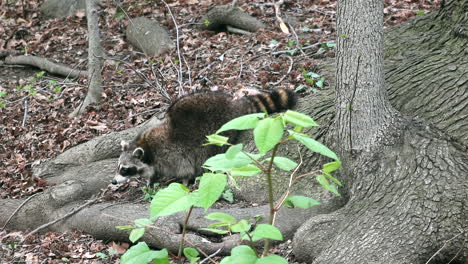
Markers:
(406, 181)
(95, 55)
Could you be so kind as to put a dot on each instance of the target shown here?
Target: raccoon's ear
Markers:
(125, 145)
(138, 153)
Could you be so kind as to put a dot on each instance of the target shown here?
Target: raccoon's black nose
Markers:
(114, 181)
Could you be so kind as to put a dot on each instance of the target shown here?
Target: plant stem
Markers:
(270, 196)
(184, 229)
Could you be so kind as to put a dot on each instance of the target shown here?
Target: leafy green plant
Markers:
(269, 132)
(313, 81)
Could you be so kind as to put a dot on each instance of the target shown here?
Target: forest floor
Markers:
(34, 106)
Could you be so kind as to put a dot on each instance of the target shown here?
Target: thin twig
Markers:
(143, 77)
(210, 256)
(188, 72)
(61, 218)
(443, 246)
(181, 88)
(17, 209)
(184, 231)
(289, 70)
(303, 48)
(298, 43)
(25, 112)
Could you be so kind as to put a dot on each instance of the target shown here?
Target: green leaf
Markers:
(267, 231)
(313, 145)
(320, 82)
(191, 254)
(210, 189)
(242, 254)
(136, 234)
(419, 12)
(141, 253)
(245, 171)
(3, 94)
(216, 140)
(299, 119)
(101, 255)
(241, 226)
(221, 163)
(232, 151)
(221, 217)
(331, 166)
(272, 259)
(242, 122)
(284, 163)
(124, 227)
(268, 133)
(302, 201)
(326, 184)
(216, 231)
(143, 222)
(227, 195)
(172, 199)
(330, 44)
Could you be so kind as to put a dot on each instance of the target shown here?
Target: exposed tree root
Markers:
(45, 64)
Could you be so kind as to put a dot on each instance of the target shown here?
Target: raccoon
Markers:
(174, 150)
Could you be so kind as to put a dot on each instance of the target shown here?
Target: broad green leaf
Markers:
(331, 166)
(136, 234)
(215, 230)
(335, 180)
(141, 253)
(191, 254)
(245, 171)
(313, 145)
(142, 222)
(227, 195)
(326, 184)
(216, 140)
(124, 227)
(221, 163)
(320, 82)
(284, 163)
(172, 199)
(226, 260)
(302, 201)
(243, 254)
(242, 122)
(241, 226)
(232, 151)
(221, 217)
(298, 119)
(267, 231)
(210, 189)
(272, 259)
(268, 133)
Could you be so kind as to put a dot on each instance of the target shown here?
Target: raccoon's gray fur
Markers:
(174, 150)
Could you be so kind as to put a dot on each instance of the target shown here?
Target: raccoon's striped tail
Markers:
(278, 100)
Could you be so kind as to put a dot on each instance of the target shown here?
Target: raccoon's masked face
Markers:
(130, 163)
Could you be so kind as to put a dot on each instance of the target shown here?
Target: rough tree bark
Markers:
(406, 181)
(95, 55)
(406, 191)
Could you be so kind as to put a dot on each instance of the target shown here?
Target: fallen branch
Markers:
(61, 218)
(45, 64)
(17, 209)
(301, 48)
